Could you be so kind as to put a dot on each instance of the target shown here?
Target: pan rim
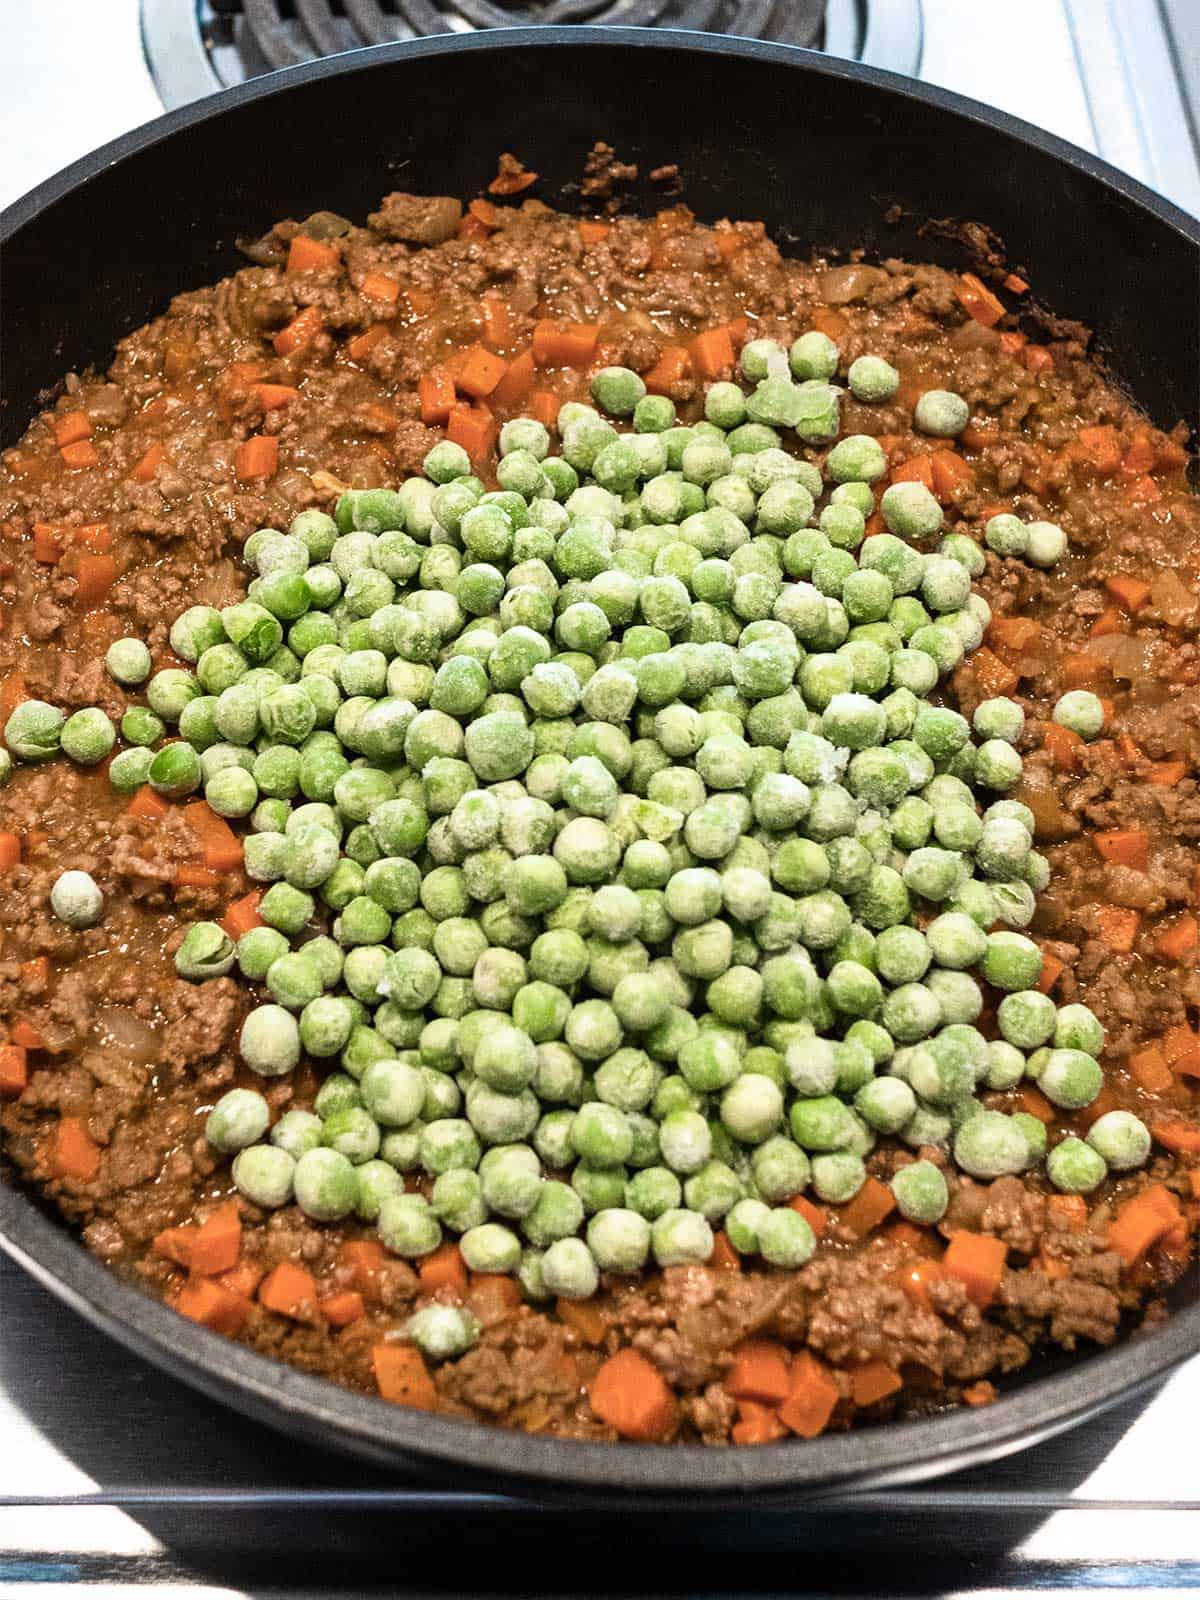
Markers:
(52, 189)
(870, 1457)
(370, 1426)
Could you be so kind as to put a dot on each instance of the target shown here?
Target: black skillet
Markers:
(831, 156)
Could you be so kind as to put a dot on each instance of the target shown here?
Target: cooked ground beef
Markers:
(138, 1057)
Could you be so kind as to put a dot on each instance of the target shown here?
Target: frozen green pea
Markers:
(1122, 1139)
(1074, 1167)
(921, 1192)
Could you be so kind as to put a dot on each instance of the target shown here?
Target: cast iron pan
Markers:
(831, 156)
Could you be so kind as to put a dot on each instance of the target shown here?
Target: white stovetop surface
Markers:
(80, 64)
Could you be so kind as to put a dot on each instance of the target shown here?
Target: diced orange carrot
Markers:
(493, 1296)
(275, 396)
(1069, 1211)
(1108, 622)
(94, 577)
(402, 1377)
(1130, 594)
(871, 1206)
(1124, 847)
(1034, 1103)
(365, 1259)
(497, 324)
(908, 1234)
(517, 381)
(712, 353)
(1181, 1137)
(435, 391)
(1150, 1071)
(1079, 668)
(479, 372)
(312, 255)
(1142, 1221)
(1178, 943)
(978, 301)
(14, 1070)
(214, 1305)
(47, 543)
(761, 1370)
(816, 1216)
(81, 454)
(1065, 746)
(950, 474)
(378, 286)
(243, 1279)
(242, 915)
(917, 469)
(544, 407)
(992, 676)
(443, 1268)
(829, 322)
(1015, 284)
(94, 536)
(673, 364)
(73, 1152)
(916, 1280)
(1141, 456)
(190, 876)
(977, 1261)
(300, 331)
(10, 851)
(474, 428)
(812, 1397)
(756, 1424)
(291, 1291)
(1100, 448)
(35, 974)
(175, 1244)
(221, 849)
(256, 457)
(12, 692)
(512, 178)
(1104, 1102)
(592, 231)
(724, 1257)
(1013, 343)
(70, 427)
(630, 1395)
(982, 1393)
(1015, 633)
(739, 331)
(1179, 1042)
(146, 803)
(1166, 774)
(1143, 491)
(873, 1381)
(587, 1321)
(339, 1310)
(218, 1241)
(1118, 927)
(572, 345)
(360, 347)
(26, 1035)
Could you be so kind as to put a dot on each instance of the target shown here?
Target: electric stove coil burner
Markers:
(197, 46)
